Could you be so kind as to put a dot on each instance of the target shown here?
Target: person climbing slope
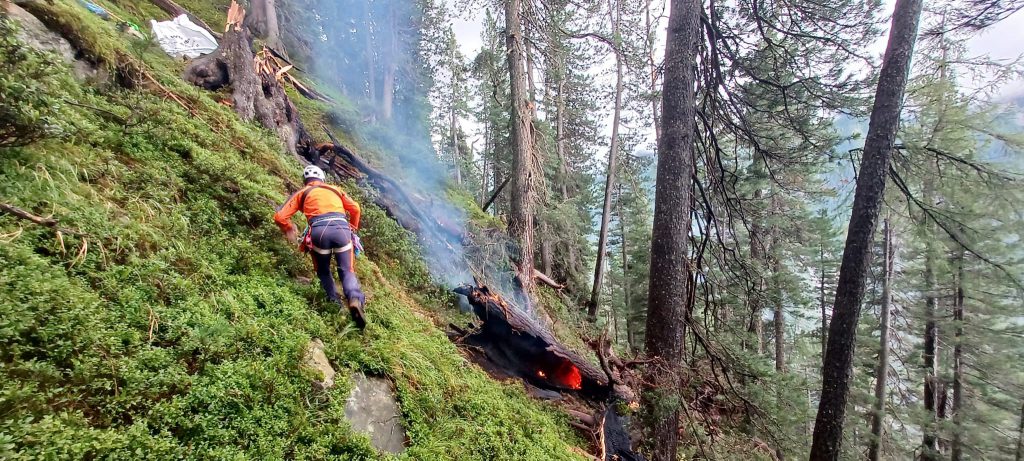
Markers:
(333, 219)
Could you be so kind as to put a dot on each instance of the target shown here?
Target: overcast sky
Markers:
(1004, 41)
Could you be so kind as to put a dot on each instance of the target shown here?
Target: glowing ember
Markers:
(542, 374)
(568, 375)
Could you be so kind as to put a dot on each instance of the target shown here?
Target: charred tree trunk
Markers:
(874, 169)
(521, 218)
(254, 95)
(262, 20)
(956, 453)
(668, 310)
(609, 184)
(882, 371)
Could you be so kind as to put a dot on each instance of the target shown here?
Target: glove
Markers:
(357, 245)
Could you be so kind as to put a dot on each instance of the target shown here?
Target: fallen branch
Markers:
(495, 194)
(48, 222)
(542, 277)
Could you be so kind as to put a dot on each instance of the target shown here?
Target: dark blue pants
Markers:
(336, 234)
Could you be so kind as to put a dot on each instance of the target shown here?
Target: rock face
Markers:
(34, 33)
(372, 409)
(317, 360)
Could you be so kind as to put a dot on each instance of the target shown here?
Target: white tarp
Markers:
(181, 37)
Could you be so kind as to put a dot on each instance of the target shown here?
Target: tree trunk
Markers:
(454, 134)
(609, 183)
(530, 80)
(254, 96)
(521, 218)
(653, 70)
(626, 305)
(667, 310)
(874, 168)
(547, 256)
(262, 21)
(371, 57)
(387, 98)
(778, 319)
(882, 371)
(958, 372)
(755, 325)
(824, 312)
(1020, 436)
(931, 378)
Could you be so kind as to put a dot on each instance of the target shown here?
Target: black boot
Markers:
(355, 309)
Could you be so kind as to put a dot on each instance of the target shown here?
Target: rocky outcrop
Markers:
(34, 33)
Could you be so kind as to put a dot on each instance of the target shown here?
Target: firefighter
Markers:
(333, 219)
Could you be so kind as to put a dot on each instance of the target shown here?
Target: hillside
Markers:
(157, 313)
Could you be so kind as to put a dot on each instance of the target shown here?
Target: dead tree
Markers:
(263, 22)
(255, 95)
(874, 168)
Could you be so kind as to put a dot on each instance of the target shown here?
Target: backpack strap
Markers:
(302, 199)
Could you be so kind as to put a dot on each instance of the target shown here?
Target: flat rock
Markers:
(373, 410)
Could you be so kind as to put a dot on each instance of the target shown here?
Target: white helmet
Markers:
(313, 172)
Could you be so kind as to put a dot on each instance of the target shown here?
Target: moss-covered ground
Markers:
(168, 319)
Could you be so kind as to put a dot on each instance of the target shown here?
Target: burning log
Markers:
(517, 344)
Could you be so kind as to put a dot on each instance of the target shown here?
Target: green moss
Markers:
(174, 326)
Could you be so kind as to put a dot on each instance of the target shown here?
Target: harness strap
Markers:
(328, 251)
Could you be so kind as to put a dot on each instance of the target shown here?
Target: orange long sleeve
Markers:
(283, 217)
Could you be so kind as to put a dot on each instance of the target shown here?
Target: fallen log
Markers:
(543, 278)
(514, 344)
(519, 345)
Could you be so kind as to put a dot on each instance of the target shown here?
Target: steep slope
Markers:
(168, 319)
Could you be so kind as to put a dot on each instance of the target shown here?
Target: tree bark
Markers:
(755, 326)
(824, 312)
(882, 371)
(609, 184)
(626, 305)
(874, 169)
(667, 310)
(263, 22)
(958, 372)
(778, 319)
(931, 393)
(1020, 436)
(521, 217)
(254, 95)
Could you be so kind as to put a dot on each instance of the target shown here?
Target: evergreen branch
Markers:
(930, 213)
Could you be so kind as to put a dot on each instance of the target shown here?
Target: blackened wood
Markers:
(885, 114)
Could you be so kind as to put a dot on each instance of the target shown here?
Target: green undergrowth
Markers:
(163, 317)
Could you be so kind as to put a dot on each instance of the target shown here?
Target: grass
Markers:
(174, 328)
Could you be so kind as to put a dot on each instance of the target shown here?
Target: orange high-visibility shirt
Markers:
(319, 200)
